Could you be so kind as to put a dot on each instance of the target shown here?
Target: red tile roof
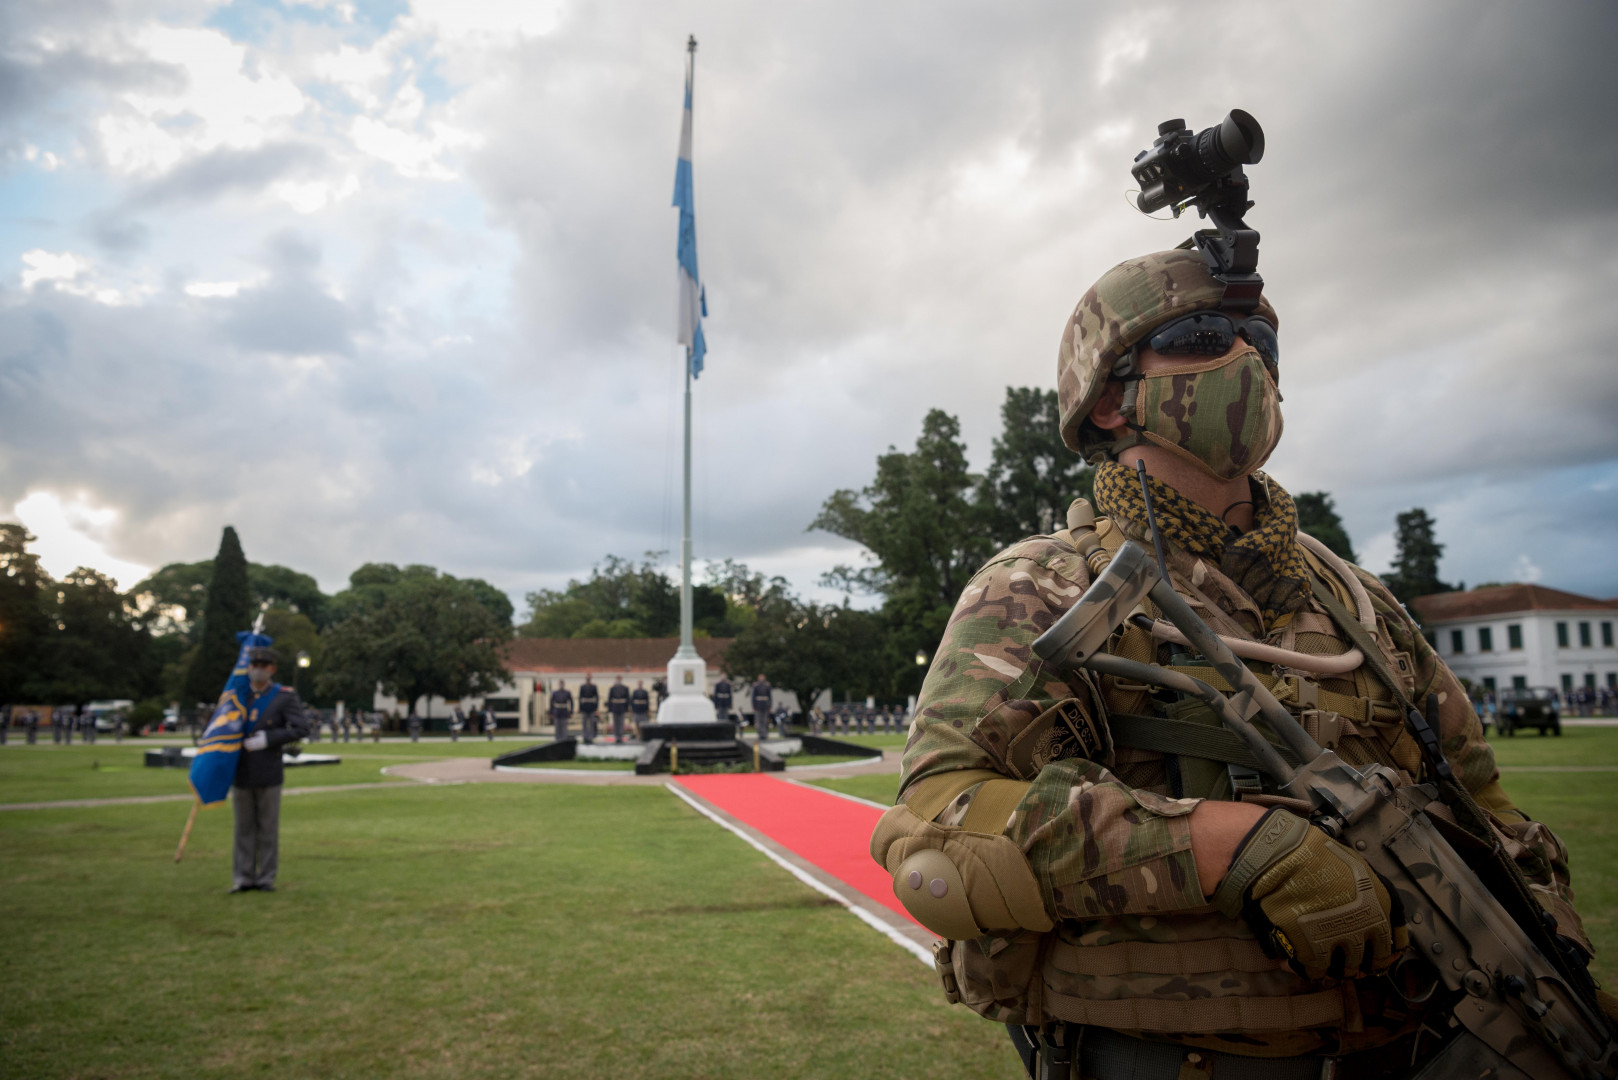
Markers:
(1503, 600)
(606, 654)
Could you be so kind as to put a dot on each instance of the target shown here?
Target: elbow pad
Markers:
(958, 883)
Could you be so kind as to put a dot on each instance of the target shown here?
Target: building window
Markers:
(1519, 682)
(1514, 636)
(1584, 635)
(1457, 641)
(1485, 639)
(1612, 680)
(1606, 635)
(1567, 684)
(1589, 680)
(1561, 635)
(1488, 683)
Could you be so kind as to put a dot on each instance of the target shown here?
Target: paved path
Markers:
(135, 800)
(480, 771)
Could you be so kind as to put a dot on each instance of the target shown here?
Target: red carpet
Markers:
(831, 832)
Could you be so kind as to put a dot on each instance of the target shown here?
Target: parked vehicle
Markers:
(1530, 707)
(106, 713)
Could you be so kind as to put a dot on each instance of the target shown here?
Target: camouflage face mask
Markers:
(1223, 416)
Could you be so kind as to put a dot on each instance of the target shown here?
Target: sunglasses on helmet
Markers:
(1212, 333)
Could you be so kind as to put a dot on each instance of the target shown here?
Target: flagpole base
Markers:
(687, 702)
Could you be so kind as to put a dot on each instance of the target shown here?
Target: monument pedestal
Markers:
(687, 702)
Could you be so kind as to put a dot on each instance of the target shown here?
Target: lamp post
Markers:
(303, 662)
(921, 658)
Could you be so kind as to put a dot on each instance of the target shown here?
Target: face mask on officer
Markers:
(1222, 415)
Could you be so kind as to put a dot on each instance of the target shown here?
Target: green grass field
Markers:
(468, 931)
(504, 930)
(47, 773)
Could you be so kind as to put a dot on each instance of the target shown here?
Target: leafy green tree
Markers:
(229, 609)
(97, 649)
(429, 634)
(924, 534)
(295, 633)
(1032, 476)
(807, 648)
(1317, 516)
(285, 587)
(622, 600)
(1415, 565)
(179, 592)
(24, 624)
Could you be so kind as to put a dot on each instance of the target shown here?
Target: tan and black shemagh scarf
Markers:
(1265, 563)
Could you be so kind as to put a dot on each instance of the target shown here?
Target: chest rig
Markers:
(1314, 662)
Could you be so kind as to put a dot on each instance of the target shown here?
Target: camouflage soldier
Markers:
(1116, 865)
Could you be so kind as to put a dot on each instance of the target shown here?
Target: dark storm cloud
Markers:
(897, 207)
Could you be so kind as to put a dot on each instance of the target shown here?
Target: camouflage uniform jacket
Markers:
(1110, 842)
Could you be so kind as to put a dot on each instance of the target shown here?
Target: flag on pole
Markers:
(693, 297)
(213, 770)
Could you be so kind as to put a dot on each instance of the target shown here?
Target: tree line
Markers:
(926, 522)
(172, 637)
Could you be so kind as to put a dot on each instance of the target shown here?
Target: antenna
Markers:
(1151, 519)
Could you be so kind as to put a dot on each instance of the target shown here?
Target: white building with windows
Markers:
(1505, 636)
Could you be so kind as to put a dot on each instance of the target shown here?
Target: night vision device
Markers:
(1203, 169)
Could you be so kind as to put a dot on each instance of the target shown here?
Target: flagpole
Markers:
(687, 648)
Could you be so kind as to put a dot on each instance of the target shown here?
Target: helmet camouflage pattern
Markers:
(1120, 309)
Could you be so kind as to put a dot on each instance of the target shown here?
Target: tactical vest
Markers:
(1195, 973)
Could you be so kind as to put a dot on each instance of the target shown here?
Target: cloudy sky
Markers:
(395, 280)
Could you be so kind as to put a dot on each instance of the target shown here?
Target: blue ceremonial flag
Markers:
(693, 297)
(214, 768)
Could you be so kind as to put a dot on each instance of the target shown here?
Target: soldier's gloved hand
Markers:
(256, 741)
(1312, 900)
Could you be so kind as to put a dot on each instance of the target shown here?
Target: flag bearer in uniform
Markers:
(275, 718)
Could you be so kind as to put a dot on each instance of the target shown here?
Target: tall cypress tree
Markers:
(229, 609)
(1415, 566)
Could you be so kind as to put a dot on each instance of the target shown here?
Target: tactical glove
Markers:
(1312, 900)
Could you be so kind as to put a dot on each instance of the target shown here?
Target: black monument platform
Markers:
(699, 744)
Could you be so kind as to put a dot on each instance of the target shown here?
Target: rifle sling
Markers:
(1163, 735)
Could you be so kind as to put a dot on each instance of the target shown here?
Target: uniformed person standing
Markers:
(275, 718)
(617, 705)
(640, 702)
(589, 703)
(1134, 870)
(413, 722)
(457, 722)
(561, 708)
(488, 722)
(722, 698)
(762, 696)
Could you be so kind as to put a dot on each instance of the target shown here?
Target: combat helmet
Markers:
(1114, 314)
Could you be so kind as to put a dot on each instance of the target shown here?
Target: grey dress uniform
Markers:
(256, 797)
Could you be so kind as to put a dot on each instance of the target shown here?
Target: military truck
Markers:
(1529, 707)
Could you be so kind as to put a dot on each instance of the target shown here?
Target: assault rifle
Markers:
(1523, 1006)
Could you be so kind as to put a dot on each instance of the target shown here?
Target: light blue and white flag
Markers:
(693, 297)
